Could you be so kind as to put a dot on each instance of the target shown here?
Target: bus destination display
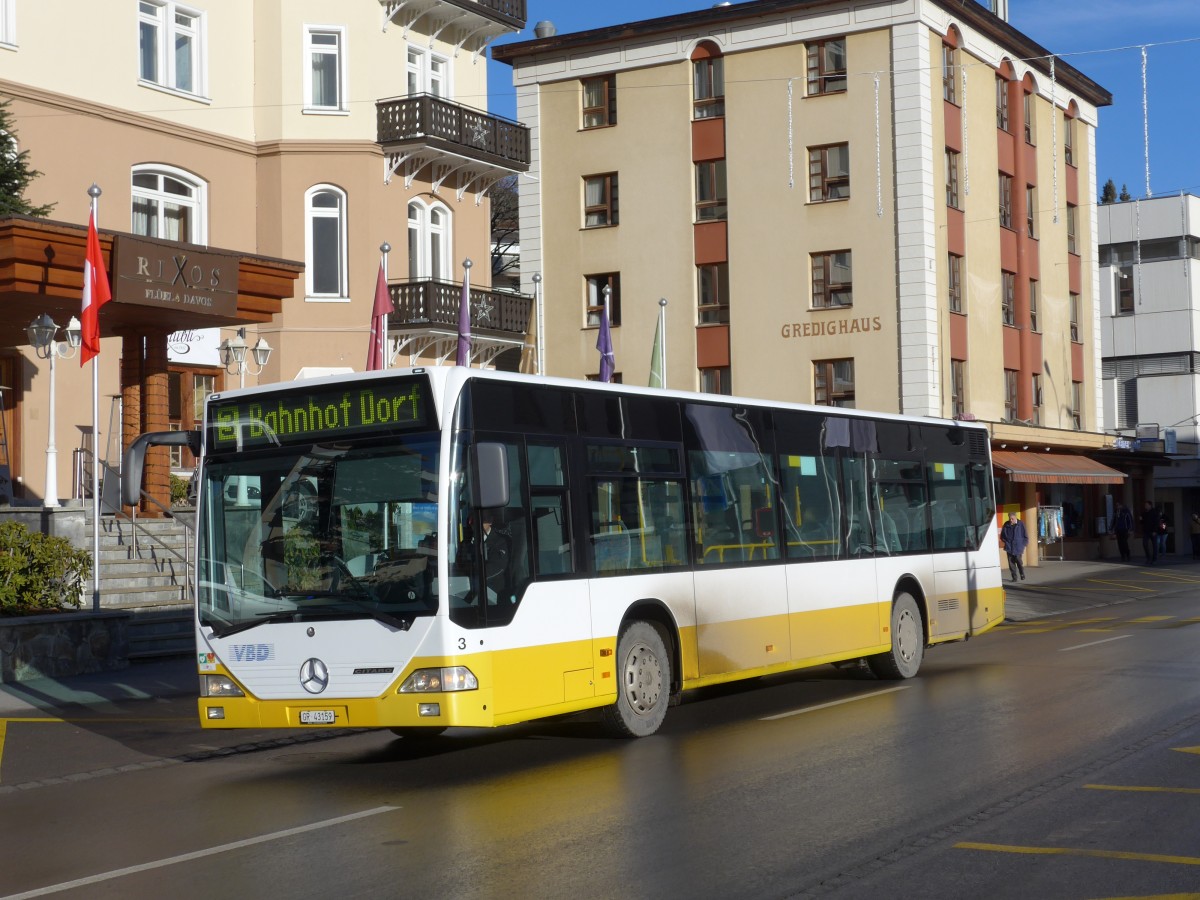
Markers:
(322, 415)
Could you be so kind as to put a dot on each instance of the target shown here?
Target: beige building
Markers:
(882, 205)
(279, 143)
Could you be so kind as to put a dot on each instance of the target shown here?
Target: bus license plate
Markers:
(317, 717)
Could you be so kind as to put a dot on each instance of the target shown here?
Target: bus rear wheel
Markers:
(643, 683)
(908, 642)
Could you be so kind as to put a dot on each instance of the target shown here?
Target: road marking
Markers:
(1148, 790)
(198, 854)
(1187, 749)
(808, 709)
(1119, 637)
(1072, 851)
(1147, 620)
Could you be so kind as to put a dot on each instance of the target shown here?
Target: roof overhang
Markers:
(1054, 468)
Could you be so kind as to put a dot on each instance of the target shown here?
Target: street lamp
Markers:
(233, 355)
(41, 333)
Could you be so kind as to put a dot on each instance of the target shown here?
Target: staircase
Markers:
(143, 571)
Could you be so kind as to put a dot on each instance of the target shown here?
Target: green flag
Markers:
(658, 356)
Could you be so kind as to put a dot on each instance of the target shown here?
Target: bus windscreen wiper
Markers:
(320, 612)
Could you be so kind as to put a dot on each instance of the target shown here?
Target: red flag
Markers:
(377, 352)
(95, 294)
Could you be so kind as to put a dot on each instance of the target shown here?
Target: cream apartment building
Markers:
(278, 143)
(882, 205)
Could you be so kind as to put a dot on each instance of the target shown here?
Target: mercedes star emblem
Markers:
(314, 676)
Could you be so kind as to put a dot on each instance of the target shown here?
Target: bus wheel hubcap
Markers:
(643, 679)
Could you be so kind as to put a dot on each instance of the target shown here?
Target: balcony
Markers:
(472, 24)
(424, 320)
(440, 140)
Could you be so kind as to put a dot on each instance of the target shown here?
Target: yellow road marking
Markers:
(1075, 851)
(1137, 788)
(1146, 620)
(1195, 750)
(1095, 630)
(1116, 586)
(1157, 897)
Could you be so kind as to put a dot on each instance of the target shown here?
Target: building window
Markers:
(600, 200)
(1033, 306)
(1077, 405)
(829, 172)
(168, 203)
(1069, 139)
(711, 202)
(958, 387)
(949, 74)
(1028, 110)
(952, 178)
(594, 286)
(833, 382)
(1008, 283)
(716, 380)
(1075, 316)
(712, 294)
(1031, 211)
(1072, 224)
(954, 282)
(170, 53)
(1002, 103)
(1010, 395)
(1005, 200)
(827, 67)
(430, 255)
(324, 73)
(832, 280)
(325, 242)
(428, 73)
(600, 101)
(1125, 290)
(1036, 418)
(708, 87)
(8, 22)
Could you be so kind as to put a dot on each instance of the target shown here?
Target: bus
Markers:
(422, 548)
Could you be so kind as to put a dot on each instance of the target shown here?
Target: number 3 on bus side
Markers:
(462, 643)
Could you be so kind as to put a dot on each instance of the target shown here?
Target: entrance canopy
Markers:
(1054, 468)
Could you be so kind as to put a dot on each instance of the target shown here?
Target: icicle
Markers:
(1146, 123)
(1054, 133)
(878, 164)
(966, 151)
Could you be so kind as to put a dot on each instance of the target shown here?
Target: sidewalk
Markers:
(158, 680)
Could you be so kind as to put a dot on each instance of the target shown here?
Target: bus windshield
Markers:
(343, 530)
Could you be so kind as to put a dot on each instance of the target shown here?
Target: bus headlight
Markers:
(451, 678)
(219, 686)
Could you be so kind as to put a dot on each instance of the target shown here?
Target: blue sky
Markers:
(1102, 38)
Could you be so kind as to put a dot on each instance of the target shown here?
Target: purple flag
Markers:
(377, 352)
(604, 345)
(464, 319)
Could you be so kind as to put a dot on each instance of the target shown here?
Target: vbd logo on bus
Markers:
(252, 652)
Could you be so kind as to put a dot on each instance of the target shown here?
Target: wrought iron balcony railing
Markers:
(424, 120)
(510, 12)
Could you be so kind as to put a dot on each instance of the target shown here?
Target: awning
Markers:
(1054, 468)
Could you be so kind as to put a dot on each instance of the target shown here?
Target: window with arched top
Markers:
(170, 203)
(708, 81)
(325, 242)
(429, 244)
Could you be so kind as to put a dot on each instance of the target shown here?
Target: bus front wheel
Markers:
(908, 642)
(643, 683)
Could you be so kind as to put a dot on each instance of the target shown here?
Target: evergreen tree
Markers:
(1108, 194)
(1125, 195)
(15, 173)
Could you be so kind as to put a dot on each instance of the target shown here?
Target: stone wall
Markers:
(60, 644)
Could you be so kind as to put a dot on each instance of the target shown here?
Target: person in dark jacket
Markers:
(1151, 525)
(1122, 526)
(1015, 539)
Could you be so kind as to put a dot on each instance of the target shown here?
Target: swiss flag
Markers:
(95, 294)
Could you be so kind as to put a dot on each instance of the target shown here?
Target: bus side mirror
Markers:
(135, 459)
(489, 475)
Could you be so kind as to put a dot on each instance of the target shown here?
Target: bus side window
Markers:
(549, 510)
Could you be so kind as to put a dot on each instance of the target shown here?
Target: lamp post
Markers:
(41, 333)
(233, 357)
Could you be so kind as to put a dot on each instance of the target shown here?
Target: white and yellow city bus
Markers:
(424, 548)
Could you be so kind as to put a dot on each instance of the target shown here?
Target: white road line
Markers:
(198, 854)
(1119, 637)
(808, 709)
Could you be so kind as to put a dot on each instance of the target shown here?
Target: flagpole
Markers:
(384, 249)
(662, 347)
(541, 323)
(94, 192)
(462, 356)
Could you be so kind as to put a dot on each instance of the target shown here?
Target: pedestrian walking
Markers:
(1122, 525)
(1163, 530)
(1015, 539)
(1151, 525)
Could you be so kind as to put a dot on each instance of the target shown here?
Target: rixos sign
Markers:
(174, 277)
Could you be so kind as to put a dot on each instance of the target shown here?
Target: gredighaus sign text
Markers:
(828, 329)
(174, 277)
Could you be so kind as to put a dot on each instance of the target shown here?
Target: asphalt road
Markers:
(1055, 757)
